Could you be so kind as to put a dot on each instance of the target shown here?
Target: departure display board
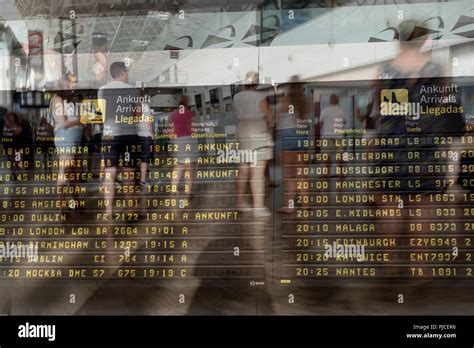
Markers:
(309, 187)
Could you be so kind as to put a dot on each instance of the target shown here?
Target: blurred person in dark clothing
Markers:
(401, 89)
(120, 136)
(3, 113)
(291, 113)
(18, 143)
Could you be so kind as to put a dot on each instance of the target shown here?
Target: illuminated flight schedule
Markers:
(394, 208)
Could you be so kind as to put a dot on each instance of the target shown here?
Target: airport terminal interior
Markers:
(236, 157)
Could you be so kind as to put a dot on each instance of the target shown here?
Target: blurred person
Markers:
(26, 142)
(17, 141)
(3, 114)
(292, 109)
(146, 135)
(367, 122)
(253, 122)
(67, 134)
(11, 127)
(145, 131)
(411, 71)
(332, 120)
(182, 120)
(120, 138)
(99, 69)
(97, 131)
